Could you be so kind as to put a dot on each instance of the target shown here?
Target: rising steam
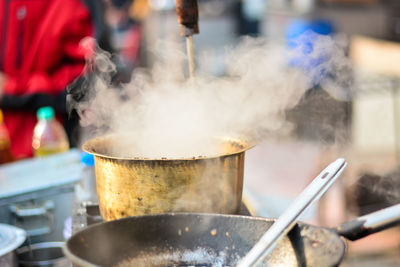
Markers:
(162, 114)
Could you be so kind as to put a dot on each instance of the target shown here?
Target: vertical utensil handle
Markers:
(288, 219)
(370, 223)
(188, 16)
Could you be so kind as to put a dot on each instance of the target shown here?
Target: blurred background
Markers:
(363, 128)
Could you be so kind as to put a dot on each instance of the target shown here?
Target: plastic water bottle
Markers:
(49, 136)
(5, 146)
(85, 190)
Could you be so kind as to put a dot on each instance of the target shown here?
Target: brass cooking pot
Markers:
(138, 186)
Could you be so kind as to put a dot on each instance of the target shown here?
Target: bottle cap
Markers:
(45, 113)
(87, 159)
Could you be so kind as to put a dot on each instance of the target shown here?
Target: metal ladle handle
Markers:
(288, 219)
(370, 223)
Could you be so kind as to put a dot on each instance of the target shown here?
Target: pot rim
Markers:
(246, 145)
(15, 237)
(39, 246)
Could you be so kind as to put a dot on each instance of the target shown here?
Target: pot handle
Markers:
(370, 223)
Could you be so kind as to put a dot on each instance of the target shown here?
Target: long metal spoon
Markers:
(191, 56)
(288, 219)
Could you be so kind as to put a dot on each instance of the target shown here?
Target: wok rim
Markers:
(247, 144)
(75, 259)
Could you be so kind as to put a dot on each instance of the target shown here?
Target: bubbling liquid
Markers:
(199, 257)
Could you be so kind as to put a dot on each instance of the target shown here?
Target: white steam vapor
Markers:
(162, 114)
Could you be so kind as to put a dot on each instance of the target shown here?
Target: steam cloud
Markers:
(162, 114)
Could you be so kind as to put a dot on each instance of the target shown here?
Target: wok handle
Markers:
(370, 223)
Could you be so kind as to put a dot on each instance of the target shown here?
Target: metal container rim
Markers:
(39, 246)
(88, 147)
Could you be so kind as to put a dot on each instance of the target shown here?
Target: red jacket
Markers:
(40, 55)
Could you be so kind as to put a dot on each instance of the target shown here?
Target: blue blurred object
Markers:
(301, 37)
(324, 27)
(298, 27)
(294, 30)
(87, 159)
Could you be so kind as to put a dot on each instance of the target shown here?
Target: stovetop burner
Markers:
(88, 213)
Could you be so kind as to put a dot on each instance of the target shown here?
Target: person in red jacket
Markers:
(40, 54)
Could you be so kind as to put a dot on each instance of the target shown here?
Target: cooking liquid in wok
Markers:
(198, 258)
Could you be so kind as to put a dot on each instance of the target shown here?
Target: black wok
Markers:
(187, 239)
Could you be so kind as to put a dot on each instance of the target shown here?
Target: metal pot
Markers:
(10, 238)
(139, 186)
